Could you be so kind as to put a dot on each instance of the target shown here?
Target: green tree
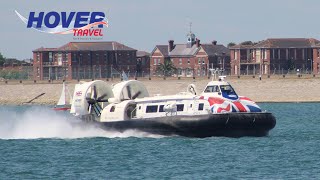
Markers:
(247, 43)
(167, 68)
(231, 44)
(2, 60)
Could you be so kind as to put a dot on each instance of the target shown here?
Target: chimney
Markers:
(198, 42)
(171, 45)
(214, 42)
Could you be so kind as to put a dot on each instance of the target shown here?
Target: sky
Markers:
(143, 24)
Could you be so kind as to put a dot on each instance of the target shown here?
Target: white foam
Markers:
(39, 122)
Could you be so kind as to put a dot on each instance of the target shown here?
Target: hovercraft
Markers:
(217, 111)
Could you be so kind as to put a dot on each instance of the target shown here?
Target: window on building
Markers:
(199, 60)
(179, 71)
(38, 72)
(318, 53)
(189, 72)
(50, 56)
(159, 61)
(188, 61)
(202, 60)
(38, 57)
(154, 61)
(152, 109)
(180, 61)
(235, 54)
(219, 60)
(180, 107)
(200, 108)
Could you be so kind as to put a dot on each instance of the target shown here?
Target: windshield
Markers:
(211, 89)
(227, 89)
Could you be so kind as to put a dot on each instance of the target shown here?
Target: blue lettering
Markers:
(55, 22)
(32, 19)
(97, 17)
(81, 17)
(66, 21)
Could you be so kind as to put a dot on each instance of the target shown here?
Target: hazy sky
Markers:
(142, 24)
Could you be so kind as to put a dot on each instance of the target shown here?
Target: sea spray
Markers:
(42, 122)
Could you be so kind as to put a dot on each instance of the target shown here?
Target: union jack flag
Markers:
(242, 104)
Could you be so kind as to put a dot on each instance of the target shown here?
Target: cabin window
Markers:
(180, 107)
(139, 107)
(112, 109)
(201, 105)
(227, 89)
(212, 89)
(152, 109)
(161, 108)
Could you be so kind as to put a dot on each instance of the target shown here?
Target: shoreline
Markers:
(268, 90)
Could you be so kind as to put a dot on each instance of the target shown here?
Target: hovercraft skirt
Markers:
(228, 124)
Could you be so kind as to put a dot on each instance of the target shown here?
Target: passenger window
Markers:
(152, 109)
(212, 89)
(201, 105)
(112, 109)
(180, 107)
(161, 108)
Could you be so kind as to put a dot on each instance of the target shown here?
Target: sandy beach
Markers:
(274, 89)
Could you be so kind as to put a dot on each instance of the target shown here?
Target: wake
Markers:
(39, 122)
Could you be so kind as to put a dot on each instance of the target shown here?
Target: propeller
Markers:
(101, 98)
(136, 95)
(130, 94)
(94, 99)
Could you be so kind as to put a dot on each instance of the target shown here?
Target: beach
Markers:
(273, 89)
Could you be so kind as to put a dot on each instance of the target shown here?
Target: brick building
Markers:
(84, 60)
(16, 69)
(276, 56)
(191, 59)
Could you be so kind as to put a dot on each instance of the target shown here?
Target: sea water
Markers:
(38, 143)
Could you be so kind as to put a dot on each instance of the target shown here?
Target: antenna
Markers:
(190, 25)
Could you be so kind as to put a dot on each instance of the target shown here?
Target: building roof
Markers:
(288, 42)
(90, 46)
(182, 50)
(44, 49)
(214, 50)
(142, 53)
(11, 61)
(163, 49)
(282, 43)
(240, 46)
